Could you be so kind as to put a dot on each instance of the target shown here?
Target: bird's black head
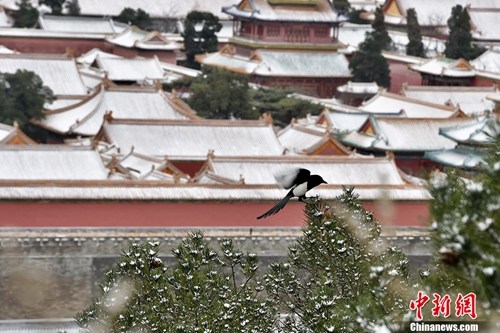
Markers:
(315, 180)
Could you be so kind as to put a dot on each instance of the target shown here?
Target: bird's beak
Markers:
(324, 182)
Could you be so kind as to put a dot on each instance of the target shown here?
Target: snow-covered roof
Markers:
(484, 22)
(39, 33)
(131, 69)
(477, 132)
(352, 34)
(306, 140)
(359, 88)
(50, 162)
(489, 61)
(429, 12)
(133, 37)
(38, 326)
(13, 135)
(284, 10)
(5, 50)
(194, 139)
(155, 8)
(89, 57)
(470, 100)
(5, 20)
(461, 157)
(348, 171)
(59, 73)
(86, 118)
(136, 166)
(63, 23)
(404, 134)
(389, 103)
(283, 63)
(445, 67)
(127, 190)
(340, 121)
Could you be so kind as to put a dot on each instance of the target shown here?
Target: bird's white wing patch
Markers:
(286, 178)
(300, 190)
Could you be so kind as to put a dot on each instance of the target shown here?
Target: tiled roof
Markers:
(388, 103)
(477, 132)
(434, 13)
(315, 11)
(283, 63)
(465, 158)
(348, 171)
(489, 61)
(404, 134)
(470, 100)
(445, 67)
(297, 139)
(128, 190)
(125, 103)
(194, 139)
(485, 23)
(63, 23)
(155, 8)
(133, 69)
(134, 37)
(39, 326)
(57, 72)
(50, 162)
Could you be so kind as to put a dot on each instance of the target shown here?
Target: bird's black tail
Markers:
(279, 206)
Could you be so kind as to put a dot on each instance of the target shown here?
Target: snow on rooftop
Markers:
(134, 37)
(283, 63)
(459, 157)
(471, 100)
(124, 103)
(489, 61)
(445, 67)
(50, 162)
(348, 171)
(404, 134)
(63, 23)
(320, 11)
(155, 8)
(388, 103)
(476, 132)
(57, 72)
(194, 140)
(133, 69)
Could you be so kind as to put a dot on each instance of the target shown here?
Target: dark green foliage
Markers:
(340, 276)
(206, 291)
(199, 34)
(220, 94)
(466, 236)
(368, 64)
(73, 8)
(415, 46)
(282, 107)
(55, 5)
(380, 34)
(342, 6)
(22, 97)
(138, 17)
(459, 42)
(26, 16)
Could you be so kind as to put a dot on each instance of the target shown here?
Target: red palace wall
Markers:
(401, 74)
(75, 47)
(186, 214)
(319, 87)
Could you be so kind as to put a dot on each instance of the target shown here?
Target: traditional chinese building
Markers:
(286, 44)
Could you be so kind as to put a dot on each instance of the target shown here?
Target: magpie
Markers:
(299, 181)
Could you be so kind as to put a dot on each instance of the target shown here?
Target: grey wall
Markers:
(54, 273)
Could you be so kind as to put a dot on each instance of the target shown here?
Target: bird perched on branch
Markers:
(299, 181)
